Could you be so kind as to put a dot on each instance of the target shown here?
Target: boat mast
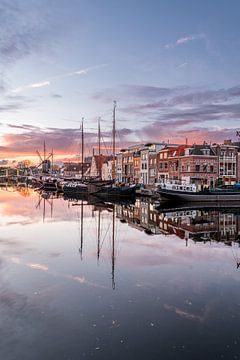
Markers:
(44, 151)
(114, 138)
(52, 161)
(82, 147)
(99, 150)
(44, 167)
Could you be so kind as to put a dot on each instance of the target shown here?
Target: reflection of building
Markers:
(202, 225)
(197, 224)
(190, 224)
(142, 215)
(228, 227)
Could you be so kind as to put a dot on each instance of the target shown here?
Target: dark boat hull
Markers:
(202, 196)
(75, 189)
(115, 192)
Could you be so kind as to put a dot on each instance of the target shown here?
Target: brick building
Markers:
(196, 164)
(227, 154)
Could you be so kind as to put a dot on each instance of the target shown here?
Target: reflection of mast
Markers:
(98, 236)
(44, 209)
(81, 230)
(113, 250)
(49, 201)
(51, 207)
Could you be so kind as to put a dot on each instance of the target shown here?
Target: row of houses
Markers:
(205, 165)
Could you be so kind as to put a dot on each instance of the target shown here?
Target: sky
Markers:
(172, 66)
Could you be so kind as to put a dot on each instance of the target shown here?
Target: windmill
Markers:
(45, 162)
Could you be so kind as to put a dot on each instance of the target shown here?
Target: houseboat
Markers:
(180, 192)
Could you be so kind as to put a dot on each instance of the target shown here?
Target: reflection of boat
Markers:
(144, 192)
(47, 184)
(211, 205)
(178, 192)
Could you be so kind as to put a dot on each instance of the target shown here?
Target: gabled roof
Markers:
(179, 150)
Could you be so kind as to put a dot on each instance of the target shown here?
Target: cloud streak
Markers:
(184, 40)
(48, 82)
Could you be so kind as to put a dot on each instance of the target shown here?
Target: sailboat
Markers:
(86, 186)
(77, 187)
(114, 191)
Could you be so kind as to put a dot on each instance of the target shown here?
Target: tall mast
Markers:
(52, 161)
(114, 138)
(82, 147)
(44, 151)
(44, 165)
(99, 150)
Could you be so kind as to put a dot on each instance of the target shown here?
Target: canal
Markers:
(81, 279)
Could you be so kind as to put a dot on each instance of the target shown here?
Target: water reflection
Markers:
(82, 279)
(198, 224)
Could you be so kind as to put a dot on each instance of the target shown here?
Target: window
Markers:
(188, 167)
(165, 165)
(205, 167)
(211, 168)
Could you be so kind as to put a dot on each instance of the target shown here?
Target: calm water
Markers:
(82, 281)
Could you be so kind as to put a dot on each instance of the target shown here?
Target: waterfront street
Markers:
(153, 285)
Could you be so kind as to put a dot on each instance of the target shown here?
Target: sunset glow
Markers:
(173, 74)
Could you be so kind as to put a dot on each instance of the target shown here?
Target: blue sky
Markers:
(172, 66)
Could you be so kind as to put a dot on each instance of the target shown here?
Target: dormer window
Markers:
(206, 151)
